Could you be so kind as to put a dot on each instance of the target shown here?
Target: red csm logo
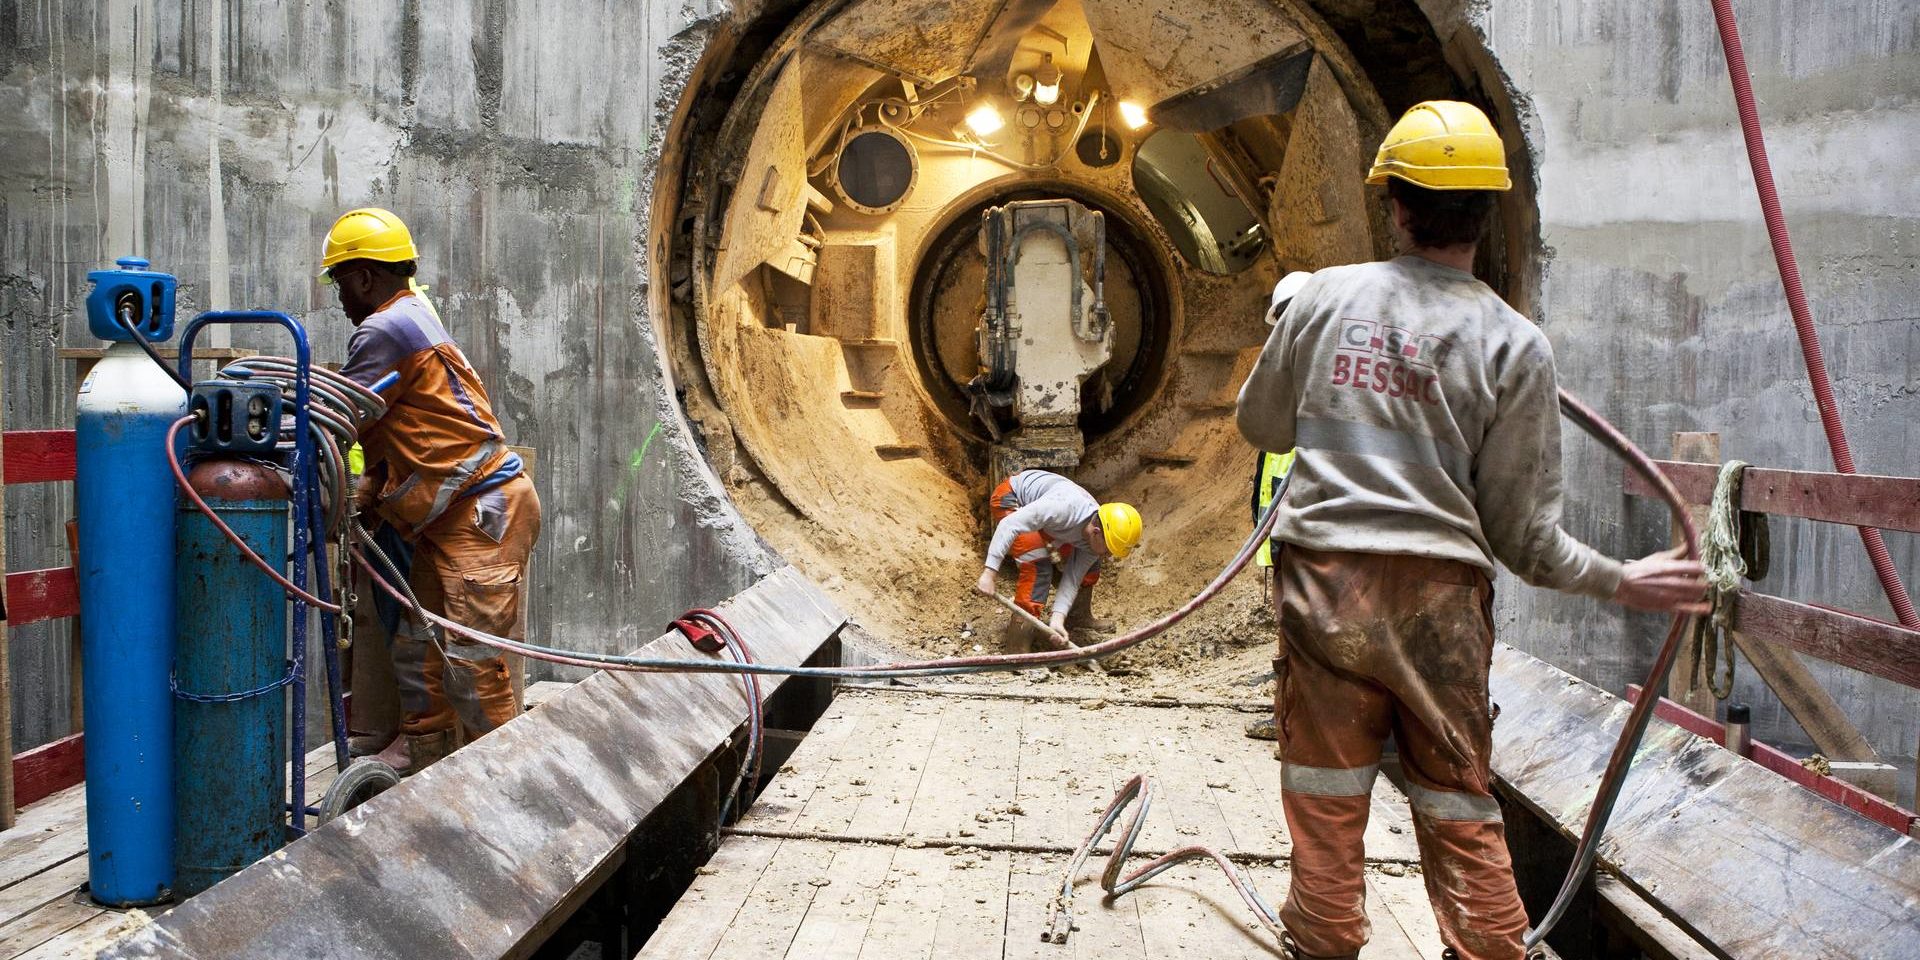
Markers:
(1390, 360)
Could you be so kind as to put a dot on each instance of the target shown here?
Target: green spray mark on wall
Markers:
(633, 468)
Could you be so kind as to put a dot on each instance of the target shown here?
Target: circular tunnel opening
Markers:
(946, 303)
(820, 278)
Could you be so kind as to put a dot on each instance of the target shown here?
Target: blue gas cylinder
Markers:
(124, 492)
(230, 728)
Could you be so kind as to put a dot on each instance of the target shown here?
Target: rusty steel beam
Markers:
(483, 853)
(1747, 863)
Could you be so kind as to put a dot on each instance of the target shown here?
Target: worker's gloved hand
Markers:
(1665, 582)
(366, 495)
(1059, 624)
(988, 580)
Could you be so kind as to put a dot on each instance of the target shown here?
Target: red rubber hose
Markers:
(1797, 301)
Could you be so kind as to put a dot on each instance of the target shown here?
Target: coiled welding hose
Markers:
(1584, 856)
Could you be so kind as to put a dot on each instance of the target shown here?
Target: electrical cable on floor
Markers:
(1060, 908)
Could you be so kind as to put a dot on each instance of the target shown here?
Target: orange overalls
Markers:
(1033, 556)
(1372, 644)
(440, 472)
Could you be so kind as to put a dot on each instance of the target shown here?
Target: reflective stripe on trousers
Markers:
(1371, 646)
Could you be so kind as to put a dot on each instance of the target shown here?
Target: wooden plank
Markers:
(556, 793)
(1102, 928)
(1860, 801)
(843, 908)
(972, 774)
(1690, 682)
(777, 902)
(796, 782)
(904, 918)
(36, 595)
(1803, 696)
(973, 906)
(86, 940)
(38, 823)
(1737, 857)
(36, 456)
(26, 935)
(49, 768)
(76, 676)
(712, 903)
(56, 882)
(1403, 901)
(1860, 500)
(38, 850)
(1883, 649)
(1624, 910)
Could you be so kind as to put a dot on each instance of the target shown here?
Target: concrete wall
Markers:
(219, 139)
(1661, 298)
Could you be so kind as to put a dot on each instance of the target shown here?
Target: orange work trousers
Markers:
(1032, 554)
(1371, 645)
(470, 567)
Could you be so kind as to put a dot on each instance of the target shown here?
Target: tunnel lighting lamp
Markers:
(1046, 83)
(1133, 114)
(984, 120)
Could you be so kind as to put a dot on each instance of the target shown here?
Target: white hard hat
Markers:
(1284, 291)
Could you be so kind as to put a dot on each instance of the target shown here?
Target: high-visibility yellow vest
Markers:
(1273, 467)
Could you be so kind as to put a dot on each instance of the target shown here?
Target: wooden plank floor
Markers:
(43, 863)
(933, 823)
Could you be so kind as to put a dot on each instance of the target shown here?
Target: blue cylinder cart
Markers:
(230, 736)
(125, 500)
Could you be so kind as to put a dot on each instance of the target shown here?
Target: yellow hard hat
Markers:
(1120, 525)
(368, 233)
(1443, 145)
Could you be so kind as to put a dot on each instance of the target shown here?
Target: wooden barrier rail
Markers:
(33, 596)
(1859, 500)
(1770, 629)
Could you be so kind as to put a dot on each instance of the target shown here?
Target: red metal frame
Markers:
(42, 456)
(49, 768)
(1841, 792)
(38, 456)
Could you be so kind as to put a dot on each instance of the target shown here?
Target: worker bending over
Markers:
(438, 471)
(1426, 416)
(1037, 514)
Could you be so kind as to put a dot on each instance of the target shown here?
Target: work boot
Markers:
(369, 744)
(410, 754)
(1263, 729)
(1080, 615)
(1292, 952)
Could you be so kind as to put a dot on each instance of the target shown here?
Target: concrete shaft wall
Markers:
(219, 139)
(1664, 307)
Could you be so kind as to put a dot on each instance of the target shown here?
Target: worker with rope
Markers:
(440, 473)
(1424, 410)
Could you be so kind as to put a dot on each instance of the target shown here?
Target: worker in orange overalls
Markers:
(1425, 413)
(439, 471)
(1037, 514)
